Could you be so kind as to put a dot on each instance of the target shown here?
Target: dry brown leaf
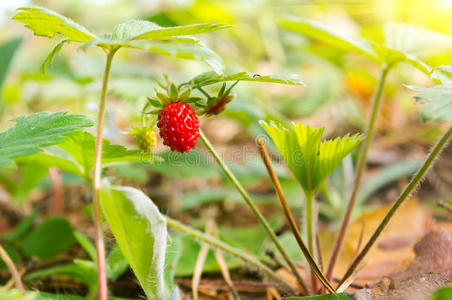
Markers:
(433, 254)
(394, 248)
(413, 288)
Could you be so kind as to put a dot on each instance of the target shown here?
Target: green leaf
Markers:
(436, 100)
(76, 155)
(209, 78)
(21, 228)
(310, 159)
(41, 241)
(31, 176)
(319, 32)
(47, 296)
(73, 270)
(196, 52)
(140, 231)
(139, 29)
(406, 38)
(393, 56)
(38, 130)
(186, 165)
(45, 22)
(117, 264)
(17, 295)
(49, 59)
(86, 244)
(442, 74)
(443, 293)
(54, 156)
(157, 32)
(7, 51)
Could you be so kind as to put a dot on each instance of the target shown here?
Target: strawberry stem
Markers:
(253, 207)
(100, 246)
(361, 166)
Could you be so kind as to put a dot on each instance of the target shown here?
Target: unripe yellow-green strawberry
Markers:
(145, 138)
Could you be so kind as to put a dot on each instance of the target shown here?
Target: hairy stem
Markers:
(406, 193)
(217, 244)
(253, 207)
(290, 218)
(361, 166)
(100, 246)
(12, 269)
(309, 227)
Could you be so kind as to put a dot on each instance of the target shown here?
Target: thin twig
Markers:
(9, 285)
(254, 209)
(100, 246)
(359, 171)
(12, 269)
(223, 265)
(360, 240)
(444, 205)
(406, 193)
(199, 266)
(291, 220)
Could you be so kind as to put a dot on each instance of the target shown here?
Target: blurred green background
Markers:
(337, 95)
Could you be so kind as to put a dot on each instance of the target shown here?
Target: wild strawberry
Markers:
(145, 138)
(179, 126)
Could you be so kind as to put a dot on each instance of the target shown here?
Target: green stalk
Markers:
(310, 234)
(253, 208)
(436, 150)
(220, 245)
(309, 227)
(100, 246)
(359, 170)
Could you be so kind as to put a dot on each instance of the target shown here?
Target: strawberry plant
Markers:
(172, 144)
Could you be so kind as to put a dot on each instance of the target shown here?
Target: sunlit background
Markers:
(337, 95)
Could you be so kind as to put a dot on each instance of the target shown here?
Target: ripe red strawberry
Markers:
(179, 126)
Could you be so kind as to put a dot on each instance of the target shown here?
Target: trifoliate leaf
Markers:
(437, 101)
(310, 159)
(76, 155)
(45, 22)
(36, 131)
(144, 30)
